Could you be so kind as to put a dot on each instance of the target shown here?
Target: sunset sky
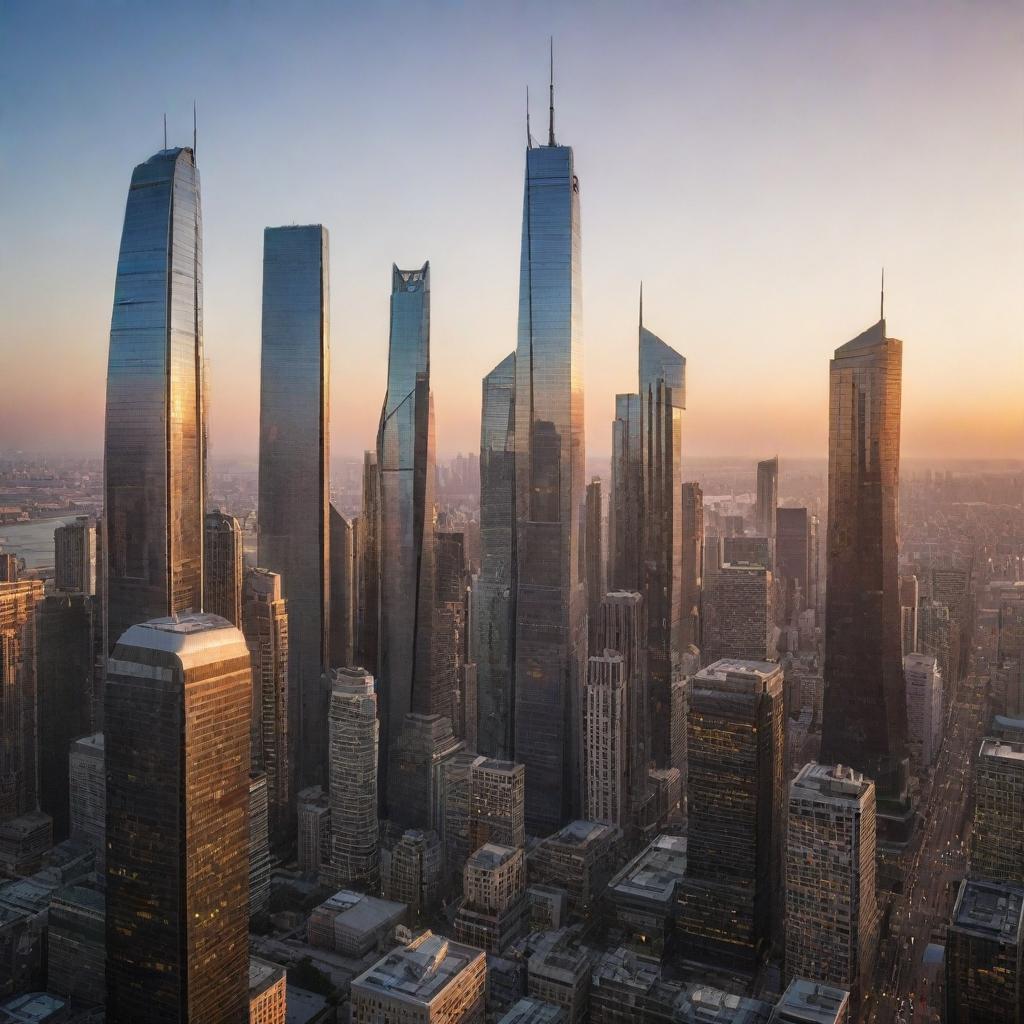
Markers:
(754, 163)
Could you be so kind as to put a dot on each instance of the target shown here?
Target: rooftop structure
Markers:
(352, 924)
(533, 1011)
(809, 1002)
(580, 858)
(268, 992)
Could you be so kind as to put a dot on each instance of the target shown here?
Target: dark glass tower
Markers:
(693, 562)
(222, 567)
(767, 497)
(494, 594)
(551, 598)
(593, 553)
(343, 567)
(177, 763)
(865, 712)
(294, 457)
(154, 450)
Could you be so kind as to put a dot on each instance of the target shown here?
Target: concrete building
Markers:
(314, 830)
(411, 871)
(985, 955)
(74, 556)
(88, 801)
(493, 913)
(579, 858)
(731, 900)
(909, 598)
(606, 746)
(533, 1011)
(559, 973)
(432, 980)
(831, 906)
(549, 907)
(810, 1002)
(352, 923)
(497, 794)
(997, 839)
(76, 949)
(415, 759)
(268, 992)
(738, 613)
(353, 747)
(222, 567)
(924, 707)
(259, 846)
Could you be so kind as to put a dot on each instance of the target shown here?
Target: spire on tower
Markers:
(641, 303)
(165, 131)
(551, 94)
(529, 138)
(194, 123)
(881, 303)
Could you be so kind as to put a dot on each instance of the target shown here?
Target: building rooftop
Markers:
(191, 636)
(810, 1002)
(533, 1011)
(417, 973)
(654, 873)
(492, 764)
(89, 744)
(990, 911)
(739, 675)
(837, 782)
(1004, 750)
(704, 1004)
(262, 975)
(583, 833)
(360, 913)
(32, 1008)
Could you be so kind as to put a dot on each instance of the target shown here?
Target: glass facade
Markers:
(864, 716)
(767, 497)
(222, 567)
(624, 505)
(494, 592)
(293, 486)
(154, 450)
(551, 599)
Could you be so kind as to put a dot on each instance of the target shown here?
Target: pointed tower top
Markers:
(194, 133)
(641, 303)
(551, 93)
(529, 138)
(881, 303)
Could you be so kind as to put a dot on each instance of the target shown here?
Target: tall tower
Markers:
(693, 563)
(495, 593)
(551, 598)
(767, 497)
(222, 567)
(368, 602)
(865, 715)
(624, 512)
(606, 742)
(343, 601)
(294, 458)
(74, 556)
(154, 447)
(405, 463)
(793, 558)
(177, 762)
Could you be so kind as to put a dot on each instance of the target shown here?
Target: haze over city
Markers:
(754, 165)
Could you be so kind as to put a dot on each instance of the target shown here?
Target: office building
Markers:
(74, 556)
(18, 756)
(368, 564)
(793, 559)
(455, 815)
(731, 900)
(985, 955)
(493, 913)
(268, 992)
(155, 443)
(865, 709)
(494, 592)
(65, 630)
(624, 510)
(580, 859)
(343, 590)
(352, 923)
(811, 1002)
(222, 567)
(497, 809)
(354, 732)
(432, 980)
(453, 678)
(314, 830)
(909, 599)
(692, 563)
(76, 946)
(415, 762)
(594, 557)
(259, 847)
(605, 745)
(924, 707)
(559, 973)
(738, 613)
(177, 760)
(265, 625)
(997, 838)
(88, 795)
(767, 500)
(755, 550)
(293, 526)
(549, 483)
(532, 1011)
(8, 568)
(832, 921)
(412, 871)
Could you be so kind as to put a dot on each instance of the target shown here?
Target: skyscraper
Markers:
(551, 600)
(594, 561)
(343, 582)
(222, 567)
(494, 594)
(738, 613)
(692, 563)
(767, 497)
(605, 749)
(865, 714)
(259, 846)
(265, 625)
(354, 729)
(624, 511)
(405, 462)
(793, 558)
(831, 905)
(924, 706)
(177, 760)
(74, 556)
(997, 839)
(154, 449)
(368, 601)
(293, 527)
(909, 597)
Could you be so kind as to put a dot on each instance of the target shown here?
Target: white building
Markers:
(924, 706)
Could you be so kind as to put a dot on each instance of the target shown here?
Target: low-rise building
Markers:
(558, 972)
(533, 1011)
(268, 992)
(810, 1002)
(580, 858)
(352, 924)
(494, 908)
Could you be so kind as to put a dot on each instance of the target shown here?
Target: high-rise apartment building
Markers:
(177, 760)
(293, 513)
(738, 613)
(731, 898)
(909, 599)
(594, 559)
(550, 610)
(865, 711)
(831, 906)
(605, 745)
(692, 563)
(155, 443)
(354, 729)
(88, 795)
(18, 757)
(74, 556)
(997, 839)
(494, 593)
(767, 498)
(222, 567)
(265, 625)
(924, 707)
(343, 590)
(64, 682)
(793, 559)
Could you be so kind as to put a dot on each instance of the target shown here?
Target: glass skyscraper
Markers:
(865, 714)
(494, 592)
(293, 528)
(154, 449)
(551, 598)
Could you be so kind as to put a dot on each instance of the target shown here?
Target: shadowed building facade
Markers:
(865, 715)
(154, 447)
(550, 608)
(177, 762)
(293, 526)
(767, 498)
(692, 562)
(222, 567)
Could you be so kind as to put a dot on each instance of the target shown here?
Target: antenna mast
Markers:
(551, 93)
(165, 131)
